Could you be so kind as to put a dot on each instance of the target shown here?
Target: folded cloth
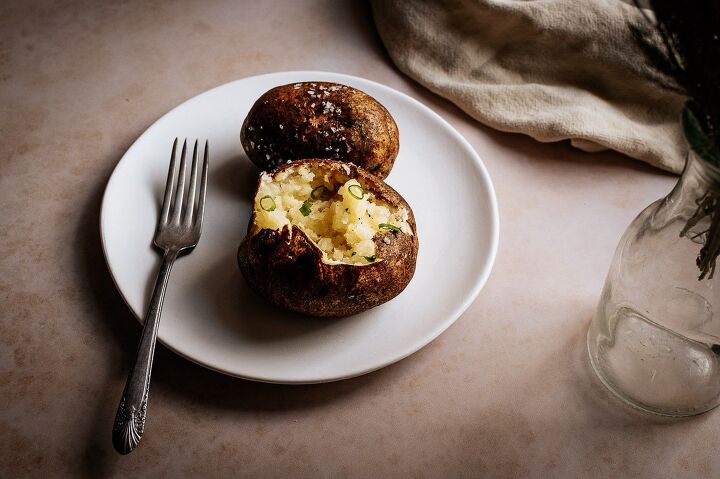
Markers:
(552, 69)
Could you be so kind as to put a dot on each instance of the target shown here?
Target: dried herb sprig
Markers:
(683, 43)
(708, 205)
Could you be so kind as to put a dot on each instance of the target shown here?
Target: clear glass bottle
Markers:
(655, 338)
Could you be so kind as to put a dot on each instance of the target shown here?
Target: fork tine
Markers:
(169, 186)
(193, 186)
(180, 191)
(203, 187)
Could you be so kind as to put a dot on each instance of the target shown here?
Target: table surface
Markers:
(505, 392)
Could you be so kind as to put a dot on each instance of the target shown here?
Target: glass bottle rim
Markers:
(709, 172)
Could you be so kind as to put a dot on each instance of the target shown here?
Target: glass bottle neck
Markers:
(698, 178)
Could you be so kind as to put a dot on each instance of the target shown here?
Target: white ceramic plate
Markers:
(212, 318)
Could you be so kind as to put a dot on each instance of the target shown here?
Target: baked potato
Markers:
(327, 238)
(320, 120)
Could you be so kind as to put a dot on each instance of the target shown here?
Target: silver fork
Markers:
(178, 230)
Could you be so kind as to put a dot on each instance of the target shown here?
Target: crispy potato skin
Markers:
(286, 268)
(320, 120)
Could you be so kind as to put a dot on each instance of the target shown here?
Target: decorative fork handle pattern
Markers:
(130, 418)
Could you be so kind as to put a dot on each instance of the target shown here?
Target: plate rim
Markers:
(405, 352)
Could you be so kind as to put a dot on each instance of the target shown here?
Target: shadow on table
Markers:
(558, 412)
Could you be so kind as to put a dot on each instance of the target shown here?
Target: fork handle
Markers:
(130, 418)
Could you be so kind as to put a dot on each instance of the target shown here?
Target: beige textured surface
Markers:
(505, 392)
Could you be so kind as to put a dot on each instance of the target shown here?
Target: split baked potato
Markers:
(327, 238)
(320, 120)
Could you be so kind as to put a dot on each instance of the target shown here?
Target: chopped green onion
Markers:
(356, 191)
(320, 193)
(353, 253)
(305, 209)
(388, 226)
(267, 203)
(371, 259)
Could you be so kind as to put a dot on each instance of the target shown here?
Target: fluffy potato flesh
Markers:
(340, 217)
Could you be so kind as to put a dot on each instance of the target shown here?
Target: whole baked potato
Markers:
(320, 120)
(328, 239)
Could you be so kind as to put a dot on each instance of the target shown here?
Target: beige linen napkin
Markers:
(552, 69)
